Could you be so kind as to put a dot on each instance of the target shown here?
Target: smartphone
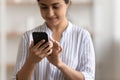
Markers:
(38, 36)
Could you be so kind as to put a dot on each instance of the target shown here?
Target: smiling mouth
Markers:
(52, 18)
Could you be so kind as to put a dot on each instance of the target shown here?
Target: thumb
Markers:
(32, 44)
(51, 39)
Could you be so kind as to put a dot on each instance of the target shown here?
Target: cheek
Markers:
(42, 14)
(62, 13)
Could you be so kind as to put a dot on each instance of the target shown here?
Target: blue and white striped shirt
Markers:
(78, 53)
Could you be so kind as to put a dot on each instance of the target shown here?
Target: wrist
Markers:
(30, 62)
(60, 65)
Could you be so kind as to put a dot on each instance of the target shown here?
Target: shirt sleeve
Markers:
(21, 55)
(87, 58)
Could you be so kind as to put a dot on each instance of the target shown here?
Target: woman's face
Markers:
(53, 11)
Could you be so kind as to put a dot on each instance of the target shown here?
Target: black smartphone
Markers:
(38, 36)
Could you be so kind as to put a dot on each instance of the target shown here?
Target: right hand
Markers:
(54, 58)
(37, 53)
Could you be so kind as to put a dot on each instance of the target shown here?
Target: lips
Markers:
(52, 18)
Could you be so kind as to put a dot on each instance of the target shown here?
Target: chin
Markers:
(54, 23)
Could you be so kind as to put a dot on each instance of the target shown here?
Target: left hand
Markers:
(54, 58)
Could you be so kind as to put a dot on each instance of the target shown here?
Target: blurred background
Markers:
(100, 17)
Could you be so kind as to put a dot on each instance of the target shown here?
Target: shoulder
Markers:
(27, 36)
(36, 29)
(79, 30)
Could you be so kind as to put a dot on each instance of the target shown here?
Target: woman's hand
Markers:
(38, 52)
(54, 58)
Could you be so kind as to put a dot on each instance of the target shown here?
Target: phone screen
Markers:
(38, 36)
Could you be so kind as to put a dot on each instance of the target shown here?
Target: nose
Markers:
(50, 12)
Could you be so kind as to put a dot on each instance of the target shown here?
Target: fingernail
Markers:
(51, 42)
(43, 40)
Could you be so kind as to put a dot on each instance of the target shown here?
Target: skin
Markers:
(54, 14)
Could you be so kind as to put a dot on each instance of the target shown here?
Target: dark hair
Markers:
(66, 1)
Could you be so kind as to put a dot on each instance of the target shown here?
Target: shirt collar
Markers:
(68, 29)
(49, 32)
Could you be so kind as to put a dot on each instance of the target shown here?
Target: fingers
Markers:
(49, 52)
(37, 53)
(45, 55)
(51, 39)
(47, 47)
(32, 44)
(39, 43)
(43, 49)
(60, 49)
(57, 45)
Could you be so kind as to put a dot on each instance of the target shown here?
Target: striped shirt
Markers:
(78, 53)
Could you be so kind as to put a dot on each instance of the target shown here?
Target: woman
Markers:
(70, 52)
